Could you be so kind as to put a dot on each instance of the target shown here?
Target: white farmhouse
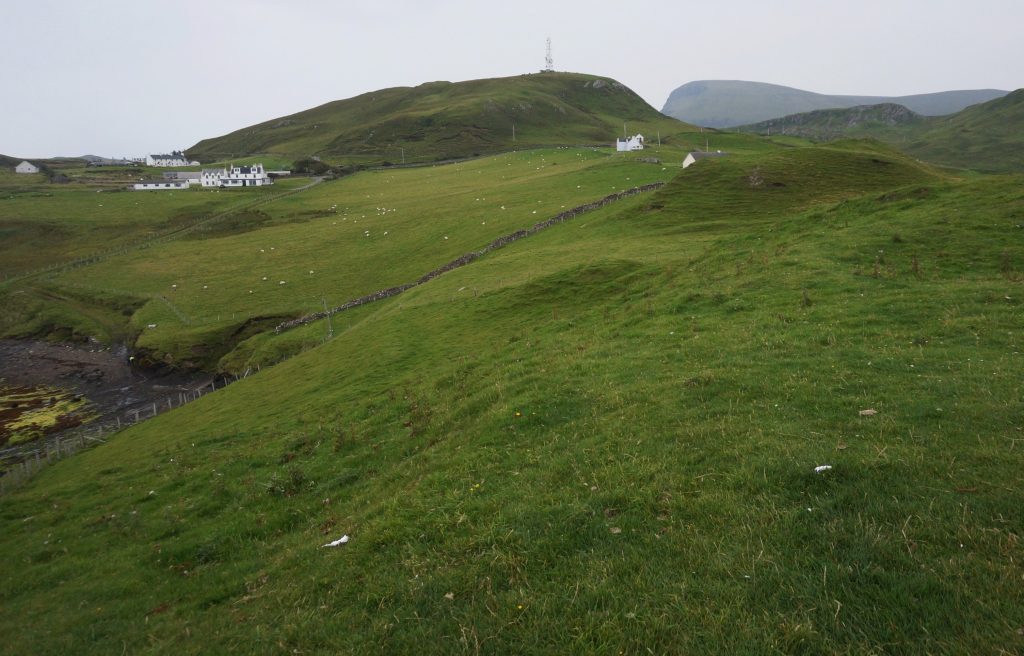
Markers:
(161, 185)
(26, 167)
(636, 142)
(246, 176)
(212, 177)
(176, 158)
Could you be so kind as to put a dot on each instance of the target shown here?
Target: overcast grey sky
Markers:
(127, 77)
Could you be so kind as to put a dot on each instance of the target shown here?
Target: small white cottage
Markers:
(697, 155)
(26, 167)
(636, 142)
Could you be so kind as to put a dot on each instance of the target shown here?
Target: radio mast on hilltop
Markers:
(549, 63)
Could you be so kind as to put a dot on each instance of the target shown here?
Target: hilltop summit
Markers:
(440, 120)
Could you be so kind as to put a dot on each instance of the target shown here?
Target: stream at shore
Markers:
(117, 392)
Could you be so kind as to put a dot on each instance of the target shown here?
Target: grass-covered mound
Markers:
(601, 439)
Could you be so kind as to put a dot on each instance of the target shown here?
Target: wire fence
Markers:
(19, 463)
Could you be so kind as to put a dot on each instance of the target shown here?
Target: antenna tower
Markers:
(549, 63)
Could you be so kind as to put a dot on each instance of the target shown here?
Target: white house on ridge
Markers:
(636, 142)
(26, 167)
(175, 158)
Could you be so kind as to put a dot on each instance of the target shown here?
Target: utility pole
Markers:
(513, 130)
(403, 155)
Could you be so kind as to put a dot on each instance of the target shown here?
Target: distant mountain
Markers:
(728, 103)
(440, 120)
(986, 137)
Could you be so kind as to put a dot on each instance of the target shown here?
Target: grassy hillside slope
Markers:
(729, 103)
(986, 137)
(327, 245)
(608, 447)
(190, 301)
(441, 120)
(871, 121)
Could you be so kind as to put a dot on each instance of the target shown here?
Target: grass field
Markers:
(601, 439)
(326, 244)
(51, 224)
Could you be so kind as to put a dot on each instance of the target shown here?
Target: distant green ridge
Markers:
(985, 137)
(442, 120)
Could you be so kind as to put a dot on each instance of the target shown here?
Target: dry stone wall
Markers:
(469, 257)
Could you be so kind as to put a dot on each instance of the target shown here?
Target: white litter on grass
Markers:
(337, 543)
(151, 325)
(821, 468)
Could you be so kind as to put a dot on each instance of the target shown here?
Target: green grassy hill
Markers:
(729, 103)
(849, 123)
(601, 439)
(442, 120)
(984, 137)
(196, 296)
(987, 137)
(204, 292)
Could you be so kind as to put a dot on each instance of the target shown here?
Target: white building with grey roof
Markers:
(175, 158)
